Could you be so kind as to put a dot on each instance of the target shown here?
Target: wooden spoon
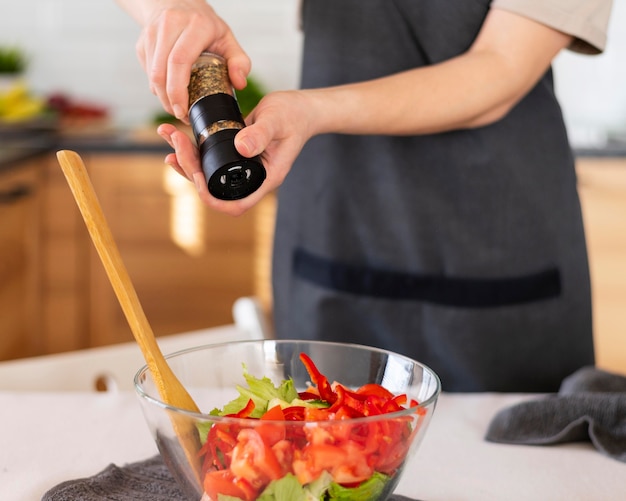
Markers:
(170, 389)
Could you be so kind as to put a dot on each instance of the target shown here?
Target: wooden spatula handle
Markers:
(78, 179)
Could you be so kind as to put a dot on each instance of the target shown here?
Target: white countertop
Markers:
(47, 437)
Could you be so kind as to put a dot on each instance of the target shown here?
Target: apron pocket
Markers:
(438, 289)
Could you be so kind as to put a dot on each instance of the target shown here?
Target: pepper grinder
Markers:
(215, 119)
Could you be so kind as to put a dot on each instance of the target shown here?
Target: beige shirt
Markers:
(586, 20)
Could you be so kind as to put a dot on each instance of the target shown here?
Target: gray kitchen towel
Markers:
(590, 406)
(147, 480)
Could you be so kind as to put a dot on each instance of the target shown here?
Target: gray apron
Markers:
(464, 250)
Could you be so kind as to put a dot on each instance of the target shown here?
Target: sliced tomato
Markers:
(218, 447)
(284, 451)
(272, 432)
(253, 460)
(224, 482)
(312, 460)
(355, 468)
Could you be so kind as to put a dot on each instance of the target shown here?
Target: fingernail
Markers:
(179, 112)
(248, 144)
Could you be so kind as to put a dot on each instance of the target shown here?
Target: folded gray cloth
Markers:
(145, 480)
(590, 406)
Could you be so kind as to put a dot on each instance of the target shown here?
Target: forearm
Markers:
(460, 93)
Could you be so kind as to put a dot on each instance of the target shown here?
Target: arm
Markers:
(474, 89)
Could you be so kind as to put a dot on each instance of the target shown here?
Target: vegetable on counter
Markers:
(317, 461)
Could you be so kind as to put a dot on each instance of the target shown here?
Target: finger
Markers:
(239, 66)
(166, 131)
(238, 62)
(185, 52)
(253, 139)
(161, 40)
(189, 161)
(172, 162)
(158, 69)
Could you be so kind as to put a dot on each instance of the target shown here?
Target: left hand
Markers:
(277, 130)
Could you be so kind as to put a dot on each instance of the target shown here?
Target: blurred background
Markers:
(188, 264)
(86, 49)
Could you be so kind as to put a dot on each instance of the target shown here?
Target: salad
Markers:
(332, 455)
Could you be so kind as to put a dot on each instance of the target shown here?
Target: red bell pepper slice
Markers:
(245, 412)
(318, 379)
(375, 389)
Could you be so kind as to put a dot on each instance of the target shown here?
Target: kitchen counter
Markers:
(612, 149)
(144, 140)
(21, 144)
(15, 150)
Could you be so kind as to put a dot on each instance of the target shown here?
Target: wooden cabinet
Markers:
(19, 261)
(65, 277)
(602, 187)
(188, 263)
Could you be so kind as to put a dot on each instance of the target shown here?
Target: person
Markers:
(427, 201)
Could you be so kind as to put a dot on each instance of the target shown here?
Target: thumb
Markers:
(251, 141)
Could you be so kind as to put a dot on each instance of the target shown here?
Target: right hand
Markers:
(174, 34)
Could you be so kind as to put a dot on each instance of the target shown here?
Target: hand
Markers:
(277, 130)
(174, 34)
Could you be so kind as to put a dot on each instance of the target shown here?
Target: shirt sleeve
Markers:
(586, 20)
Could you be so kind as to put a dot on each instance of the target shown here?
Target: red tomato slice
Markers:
(272, 433)
(253, 460)
(223, 482)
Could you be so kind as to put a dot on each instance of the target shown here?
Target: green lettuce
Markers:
(370, 490)
(323, 489)
(261, 391)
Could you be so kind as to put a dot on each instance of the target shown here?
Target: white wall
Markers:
(592, 89)
(86, 48)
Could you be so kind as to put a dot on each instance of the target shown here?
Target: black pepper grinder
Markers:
(215, 119)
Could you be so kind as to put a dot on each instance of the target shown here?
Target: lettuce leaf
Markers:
(370, 490)
(285, 489)
(261, 391)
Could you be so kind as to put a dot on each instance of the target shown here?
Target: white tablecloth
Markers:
(46, 438)
(68, 432)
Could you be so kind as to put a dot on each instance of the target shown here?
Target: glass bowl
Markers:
(300, 449)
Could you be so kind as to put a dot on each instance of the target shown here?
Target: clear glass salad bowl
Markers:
(291, 420)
